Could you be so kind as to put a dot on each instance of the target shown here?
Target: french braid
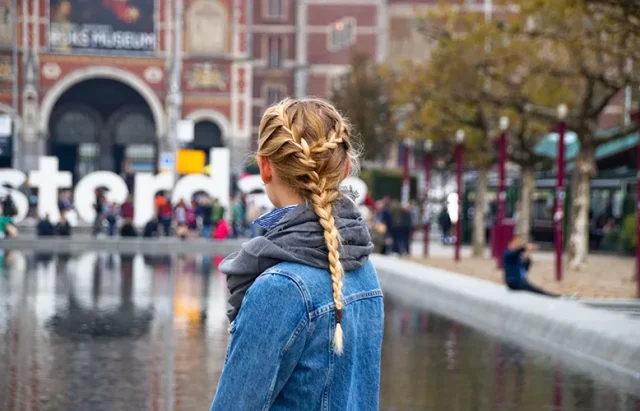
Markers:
(308, 144)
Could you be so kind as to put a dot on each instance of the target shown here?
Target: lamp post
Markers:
(636, 117)
(501, 213)
(427, 160)
(558, 215)
(459, 155)
(408, 144)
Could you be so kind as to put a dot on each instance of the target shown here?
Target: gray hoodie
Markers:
(298, 238)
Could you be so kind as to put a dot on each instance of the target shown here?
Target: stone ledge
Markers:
(603, 344)
(162, 245)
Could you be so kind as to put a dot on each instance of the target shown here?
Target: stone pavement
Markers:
(603, 276)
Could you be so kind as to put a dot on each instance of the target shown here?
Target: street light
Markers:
(408, 144)
(558, 215)
(499, 243)
(427, 160)
(459, 155)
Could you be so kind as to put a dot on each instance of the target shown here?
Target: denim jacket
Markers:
(280, 354)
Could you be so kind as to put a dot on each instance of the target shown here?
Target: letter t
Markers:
(48, 180)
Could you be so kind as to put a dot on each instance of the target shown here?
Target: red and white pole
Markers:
(427, 160)
(558, 216)
(459, 158)
(499, 241)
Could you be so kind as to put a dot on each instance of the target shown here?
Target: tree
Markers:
(572, 43)
(363, 97)
(624, 13)
(449, 92)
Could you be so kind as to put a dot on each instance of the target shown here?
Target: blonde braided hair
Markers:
(309, 147)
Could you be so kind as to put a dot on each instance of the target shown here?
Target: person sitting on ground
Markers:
(127, 229)
(6, 226)
(151, 229)
(63, 228)
(45, 228)
(516, 262)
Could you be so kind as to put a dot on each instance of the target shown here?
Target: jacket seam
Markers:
(327, 308)
(296, 333)
(301, 287)
(292, 338)
(327, 386)
(273, 385)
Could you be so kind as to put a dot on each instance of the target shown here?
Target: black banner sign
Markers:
(102, 25)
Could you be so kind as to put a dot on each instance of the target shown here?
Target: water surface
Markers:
(106, 332)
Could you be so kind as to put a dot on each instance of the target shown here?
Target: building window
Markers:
(273, 9)
(274, 93)
(274, 51)
(342, 34)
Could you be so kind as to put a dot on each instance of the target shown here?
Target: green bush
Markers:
(385, 182)
(628, 236)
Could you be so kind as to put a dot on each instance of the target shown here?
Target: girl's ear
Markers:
(266, 172)
(347, 168)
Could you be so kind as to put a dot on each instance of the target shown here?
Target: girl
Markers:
(307, 334)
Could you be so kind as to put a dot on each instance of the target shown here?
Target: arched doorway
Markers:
(206, 135)
(99, 124)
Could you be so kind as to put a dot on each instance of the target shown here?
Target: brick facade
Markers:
(238, 57)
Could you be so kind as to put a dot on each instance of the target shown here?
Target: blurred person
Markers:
(192, 220)
(217, 212)
(222, 231)
(151, 229)
(386, 218)
(128, 229)
(238, 215)
(98, 207)
(296, 336)
(205, 213)
(9, 208)
(164, 212)
(63, 228)
(180, 217)
(64, 202)
(397, 226)
(126, 209)
(444, 220)
(516, 263)
(45, 228)
(6, 227)
(111, 215)
(404, 231)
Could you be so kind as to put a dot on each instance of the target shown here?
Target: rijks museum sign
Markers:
(48, 179)
(102, 25)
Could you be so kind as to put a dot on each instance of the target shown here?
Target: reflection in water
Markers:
(107, 332)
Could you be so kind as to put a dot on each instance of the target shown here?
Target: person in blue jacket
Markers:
(516, 263)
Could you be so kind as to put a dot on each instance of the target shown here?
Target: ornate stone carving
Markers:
(207, 27)
(207, 76)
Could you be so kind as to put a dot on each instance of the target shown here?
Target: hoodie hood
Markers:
(298, 238)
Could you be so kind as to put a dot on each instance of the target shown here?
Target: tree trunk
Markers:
(479, 227)
(578, 244)
(526, 198)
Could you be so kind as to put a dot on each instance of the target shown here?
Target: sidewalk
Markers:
(603, 276)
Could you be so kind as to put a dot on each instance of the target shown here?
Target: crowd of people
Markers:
(200, 216)
(392, 224)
